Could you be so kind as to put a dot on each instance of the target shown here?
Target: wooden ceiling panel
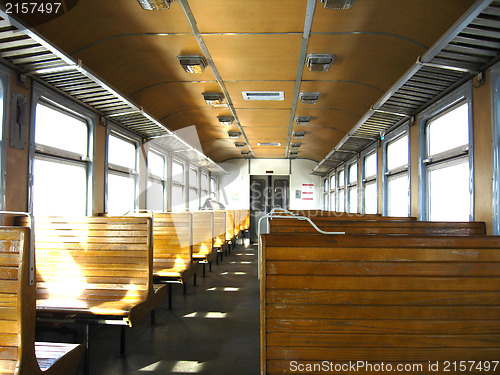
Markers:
(249, 16)
(153, 60)
(263, 117)
(255, 57)
(235, 91)
(270, 152)
(324, 117)
(374, 60)
(422, 21)
(92, 21)
(266, 133)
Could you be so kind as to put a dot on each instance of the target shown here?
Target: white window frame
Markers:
(194, 187)
(332, 191)
(213, 193)
(350, 185)
(340, 188)
(42, 94)
(163, 180)
(449, 158)
(128, 136)
(325, 183)
(386, 174)
(495, 109)
(5, 76)
(367, 179)
(182, 184)
(203, 192)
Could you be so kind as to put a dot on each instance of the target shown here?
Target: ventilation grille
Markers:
(263, 95)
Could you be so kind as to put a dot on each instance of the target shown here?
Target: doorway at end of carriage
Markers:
(266, 193)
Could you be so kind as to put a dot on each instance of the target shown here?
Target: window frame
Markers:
(495, 109)
(54, 100)
(164, 179)
(124, 134)
(325, 184)
(332, 191)
(185, 166)
(213, 193)
(340, 188)
(400, 132)
(195, 187)
(5, 76)
(350, 185)
(450, 157)
(367, 179)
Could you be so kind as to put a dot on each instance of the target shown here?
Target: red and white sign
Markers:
(307, 192)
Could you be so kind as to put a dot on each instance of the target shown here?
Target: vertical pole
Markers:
(170, 296)
(86, 347)
(122, 340)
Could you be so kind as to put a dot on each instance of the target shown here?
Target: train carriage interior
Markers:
(249, 187)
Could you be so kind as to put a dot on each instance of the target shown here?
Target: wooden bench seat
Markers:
(19, 353)
(220, 232)
(392, 299)
(203, 237)
(278, 225)
(333, 215)
(230, 229)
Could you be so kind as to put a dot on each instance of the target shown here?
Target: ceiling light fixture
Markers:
(234, 134)
(240, 144)
(225, 120)
(338, 4)
(319, 62)
(309, 97)
(213, 98)
(293, 153)
(245, 153)
(269, 144)
(193, 64)
(263, 95)
(155, 4)
(302, 120)
(298, 134)
(295, 145)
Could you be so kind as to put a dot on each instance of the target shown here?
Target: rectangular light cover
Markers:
(269, 144)
(309, 97)
(319, 62)
(263, 95)
(295, 145)
(338, 4)
(213, 98)
(155, 4)
(302, 120)
(299, 134)
(193, 64)
(225, 120)
(240, 144)
(234, 134)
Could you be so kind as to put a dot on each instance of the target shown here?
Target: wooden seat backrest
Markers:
(172, 238)
(377, 227)
(219, 228)
(247, 219)
(94, 265)
(333, 215)
(203, 233)
(237, 222)
(244, 215)
(379, 298)
(229, 225)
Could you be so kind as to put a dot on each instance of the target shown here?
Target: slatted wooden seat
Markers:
(237, 223)
(392, 299)
(220, 232)
(278, 225)
(333, 215)
(203, 238)
(19, 353)
(95, 270)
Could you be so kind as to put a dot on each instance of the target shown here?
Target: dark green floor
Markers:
(213, 330)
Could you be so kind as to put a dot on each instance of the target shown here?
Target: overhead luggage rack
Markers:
(27, 52)
(470, 47)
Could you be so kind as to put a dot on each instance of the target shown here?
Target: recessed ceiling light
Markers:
(269, 144)
(213, 98)
(338, 4)
(293, 153)
(245, 152)
(155, 4)
(302, 120)
(234, 134)
(240, 144)
(263, 95)
(309, 97)
(319, 63)
(193, 64)
(298, 134)
(295, 145)
(225, 120)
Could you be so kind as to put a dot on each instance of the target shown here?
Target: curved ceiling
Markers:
(255, 46)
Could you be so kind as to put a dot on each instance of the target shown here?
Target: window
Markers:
(341, 191)
(396, 176)
(156, 194)
(213, 188)
(325, 194)
(352, 188)
(178, 197)
(332, 192)
(369, 183)
(446, 161)
(204, 187)
(122, 173)
(5, 76)
(61, 162)
(194, 204)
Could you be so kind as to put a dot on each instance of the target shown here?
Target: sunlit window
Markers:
(325, 194)
(122, 174)
(341, 191)
(156, 197)
(62, 163)
(446, 164)
(352, 189)
(194, 204)
(178, 198)
(397, 176)
(370, 193)
(332, 192)
(213, 188)
(204, 187)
